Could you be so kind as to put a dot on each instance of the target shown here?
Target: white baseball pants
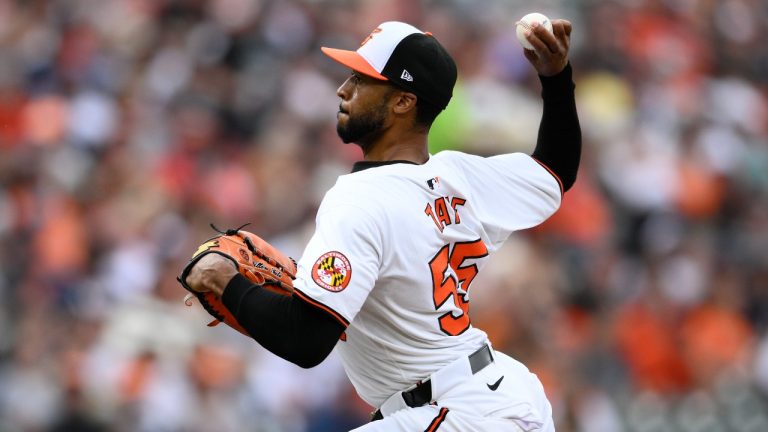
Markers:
(518, 403)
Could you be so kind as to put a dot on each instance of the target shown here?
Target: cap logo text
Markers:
(406, 76)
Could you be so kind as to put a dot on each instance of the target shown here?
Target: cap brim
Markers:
(353, 60)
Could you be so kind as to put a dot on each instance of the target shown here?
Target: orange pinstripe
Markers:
(559, 182)
(437, 421)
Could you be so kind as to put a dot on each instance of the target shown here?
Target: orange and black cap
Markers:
(405, 56)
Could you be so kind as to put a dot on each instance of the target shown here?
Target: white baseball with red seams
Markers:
(525, 24)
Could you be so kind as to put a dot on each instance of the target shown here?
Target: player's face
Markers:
(363, 109)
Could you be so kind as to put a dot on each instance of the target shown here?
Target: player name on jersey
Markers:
(440, 213)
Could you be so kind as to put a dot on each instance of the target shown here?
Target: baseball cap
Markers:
(405, 56)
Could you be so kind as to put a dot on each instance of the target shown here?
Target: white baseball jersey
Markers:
(395, 252)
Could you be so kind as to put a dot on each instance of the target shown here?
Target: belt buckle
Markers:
(419, 395)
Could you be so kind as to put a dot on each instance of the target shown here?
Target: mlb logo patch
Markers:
(433, 183)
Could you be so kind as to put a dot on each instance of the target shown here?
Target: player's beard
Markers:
(364, 128)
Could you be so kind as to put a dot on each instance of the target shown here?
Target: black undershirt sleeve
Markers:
(285, 325)
(559, 142)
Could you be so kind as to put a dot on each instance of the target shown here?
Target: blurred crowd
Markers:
(127, 126)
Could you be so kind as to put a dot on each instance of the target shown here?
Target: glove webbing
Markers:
(249, 244)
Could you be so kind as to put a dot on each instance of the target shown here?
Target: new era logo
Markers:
(406, 76)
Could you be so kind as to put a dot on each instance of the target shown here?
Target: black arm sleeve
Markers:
(559, 142)
(285, 325)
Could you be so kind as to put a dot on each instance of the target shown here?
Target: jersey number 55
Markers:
(445, 284)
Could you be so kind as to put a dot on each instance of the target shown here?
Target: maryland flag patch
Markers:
(332, 271)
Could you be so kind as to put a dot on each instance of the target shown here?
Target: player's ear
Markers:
(404, 102)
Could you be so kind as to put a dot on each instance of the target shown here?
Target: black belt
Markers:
(422, 393)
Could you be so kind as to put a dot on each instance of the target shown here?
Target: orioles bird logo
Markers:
(370, 36)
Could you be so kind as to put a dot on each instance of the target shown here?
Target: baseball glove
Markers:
(254, 258)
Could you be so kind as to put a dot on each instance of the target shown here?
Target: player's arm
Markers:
(285, 325)
(305, 327)
(559, 141)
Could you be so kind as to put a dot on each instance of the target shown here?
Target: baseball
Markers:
(525, 24)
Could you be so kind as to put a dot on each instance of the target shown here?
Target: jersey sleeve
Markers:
(341, 261)
(512, 192)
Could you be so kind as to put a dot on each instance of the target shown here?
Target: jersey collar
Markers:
(363, 165)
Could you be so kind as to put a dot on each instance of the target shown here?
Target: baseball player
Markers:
(387, 276)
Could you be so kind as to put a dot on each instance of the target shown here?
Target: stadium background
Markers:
(126, 126)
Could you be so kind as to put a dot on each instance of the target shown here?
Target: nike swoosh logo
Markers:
(495, 385)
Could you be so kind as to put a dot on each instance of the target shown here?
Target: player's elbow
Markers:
(308, 360)
(308, 364)
(313, 338)
(312, 348)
